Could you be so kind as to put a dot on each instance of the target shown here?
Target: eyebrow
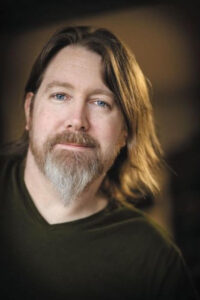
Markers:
(59, 84)
(68, 85)
(103, 92)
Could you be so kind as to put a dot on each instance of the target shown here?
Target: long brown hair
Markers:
(136, 169)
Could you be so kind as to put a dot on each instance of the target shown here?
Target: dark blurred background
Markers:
(164, 35)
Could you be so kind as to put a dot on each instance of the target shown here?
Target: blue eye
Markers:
(101, 103)
(60, 96)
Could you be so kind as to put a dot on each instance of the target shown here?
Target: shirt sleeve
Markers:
(177, 283)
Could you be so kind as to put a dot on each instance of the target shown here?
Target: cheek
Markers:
(49, 118)
(109, 134)
(42, 125)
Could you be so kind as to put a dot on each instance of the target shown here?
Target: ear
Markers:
(27, 109)
(124, 138)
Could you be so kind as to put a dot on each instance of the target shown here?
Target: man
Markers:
(68, 228)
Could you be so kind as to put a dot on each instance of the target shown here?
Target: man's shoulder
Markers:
(131, 215)
(139, 227)
(6, 158)
(7, 162)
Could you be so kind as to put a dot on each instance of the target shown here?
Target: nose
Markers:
(78, 119)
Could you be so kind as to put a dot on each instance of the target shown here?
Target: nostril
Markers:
(82, 128)
(75, 127)
(78, 122)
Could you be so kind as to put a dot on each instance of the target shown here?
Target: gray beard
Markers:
(71, 173)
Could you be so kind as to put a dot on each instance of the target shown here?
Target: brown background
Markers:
(165, 40)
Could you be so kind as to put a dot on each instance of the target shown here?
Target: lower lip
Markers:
(72, 146)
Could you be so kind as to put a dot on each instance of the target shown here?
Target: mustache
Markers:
(79, 138)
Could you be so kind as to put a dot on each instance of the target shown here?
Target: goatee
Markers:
(70, 172)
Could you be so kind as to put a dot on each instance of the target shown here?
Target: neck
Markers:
(48, 201)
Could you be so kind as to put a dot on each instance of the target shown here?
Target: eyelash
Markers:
(57, 97)
(105, 104)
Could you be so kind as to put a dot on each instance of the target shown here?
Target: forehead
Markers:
(77, 65)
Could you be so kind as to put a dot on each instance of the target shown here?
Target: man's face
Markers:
(75, 114)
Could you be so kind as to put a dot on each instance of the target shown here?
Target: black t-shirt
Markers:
(117, 253)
